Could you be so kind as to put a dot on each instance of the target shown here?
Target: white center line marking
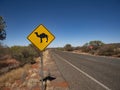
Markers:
(84, 73)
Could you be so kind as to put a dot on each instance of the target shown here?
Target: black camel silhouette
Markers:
(41, 36)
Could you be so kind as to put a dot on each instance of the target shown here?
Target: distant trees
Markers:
(94, 43)
(68, 47)
(110, 50)
(2, 29)
(99, 48)
(95, 47)
(92, 46)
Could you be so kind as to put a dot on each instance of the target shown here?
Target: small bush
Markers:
(4, 50)
(106, 50)
(68, 47)
(24, 54)
(85, 49)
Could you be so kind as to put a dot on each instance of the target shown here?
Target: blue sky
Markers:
(71, 21)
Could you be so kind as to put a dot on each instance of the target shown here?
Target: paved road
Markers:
(84, 72)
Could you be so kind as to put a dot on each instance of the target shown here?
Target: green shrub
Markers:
(24, 54)
(106, 50)
(4, 50)
(85, 49)
(68, 47)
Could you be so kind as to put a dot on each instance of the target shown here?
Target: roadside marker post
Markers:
(41, 37)
(41, 71)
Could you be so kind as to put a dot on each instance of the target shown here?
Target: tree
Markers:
(92, 46)
(86, 45)
(96, 43)
(68, 47)
(2, 30)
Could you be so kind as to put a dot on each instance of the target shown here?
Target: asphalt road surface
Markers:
(84, 72)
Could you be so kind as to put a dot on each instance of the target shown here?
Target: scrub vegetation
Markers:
(96, 48)
(16, 56)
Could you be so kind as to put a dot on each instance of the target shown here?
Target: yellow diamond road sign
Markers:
(41, 37)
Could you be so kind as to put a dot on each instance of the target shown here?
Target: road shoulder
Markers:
(51, 71)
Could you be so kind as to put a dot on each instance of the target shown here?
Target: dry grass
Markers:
(14, 75)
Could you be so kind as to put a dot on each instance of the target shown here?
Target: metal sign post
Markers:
(41, 37)
(41, 72)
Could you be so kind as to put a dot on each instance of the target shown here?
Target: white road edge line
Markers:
(85, 73)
